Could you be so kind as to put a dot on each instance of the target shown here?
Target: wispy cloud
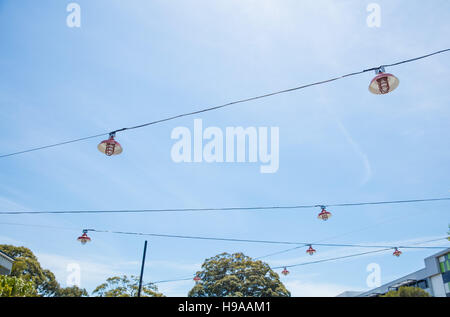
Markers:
(365, 160)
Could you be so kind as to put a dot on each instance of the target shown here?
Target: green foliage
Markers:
(73, 291)
(27, 267)
(237, 275)
(406, 291)
(12, 286)
(124, 287)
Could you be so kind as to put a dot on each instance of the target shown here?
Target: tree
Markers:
(12, 286)
(27, 267)
(237, 275)
(406, 291)
(73, 291)
(124, 287)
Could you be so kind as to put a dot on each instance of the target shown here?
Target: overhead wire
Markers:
(331, 259)
(316, 261)
(232, 208)
(53, 145)
(226, 104)
(104, 211)
(384, 248)
(409, 246)
(256, 241)
(333, 237)
(299, 244)
(38, 226)
(415, 59)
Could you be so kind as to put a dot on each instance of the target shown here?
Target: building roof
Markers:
(6, 256)
(431, 268)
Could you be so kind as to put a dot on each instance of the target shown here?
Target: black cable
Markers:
(317, 261)
(330, 259)
(238, 101)
(174, 280)
(149, 210)
(218, 208)
(410, 246)
(192, 237)
(255, 241)
(228, 104)
(53, 145)
(279, 252)
(299, 244)
(417, 58)
(387, 202)
(39, 226)
(333, 237)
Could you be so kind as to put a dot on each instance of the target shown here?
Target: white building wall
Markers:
(437, 284)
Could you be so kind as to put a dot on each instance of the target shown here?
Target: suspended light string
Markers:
(411, 60)
(84, 238)
(112, 133)
(191, 237)
(53, 145)
(254, 241)
(38, 226)
(326, 239)
(314, 262)
(331, 259)
(220, 208)
(174, 280)
(299, 244)
(333, 237)
(410, 246)
(280, 252)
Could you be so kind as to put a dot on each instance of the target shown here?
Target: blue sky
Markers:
(137, 61)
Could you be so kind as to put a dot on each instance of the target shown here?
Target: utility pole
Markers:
(142, 269)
